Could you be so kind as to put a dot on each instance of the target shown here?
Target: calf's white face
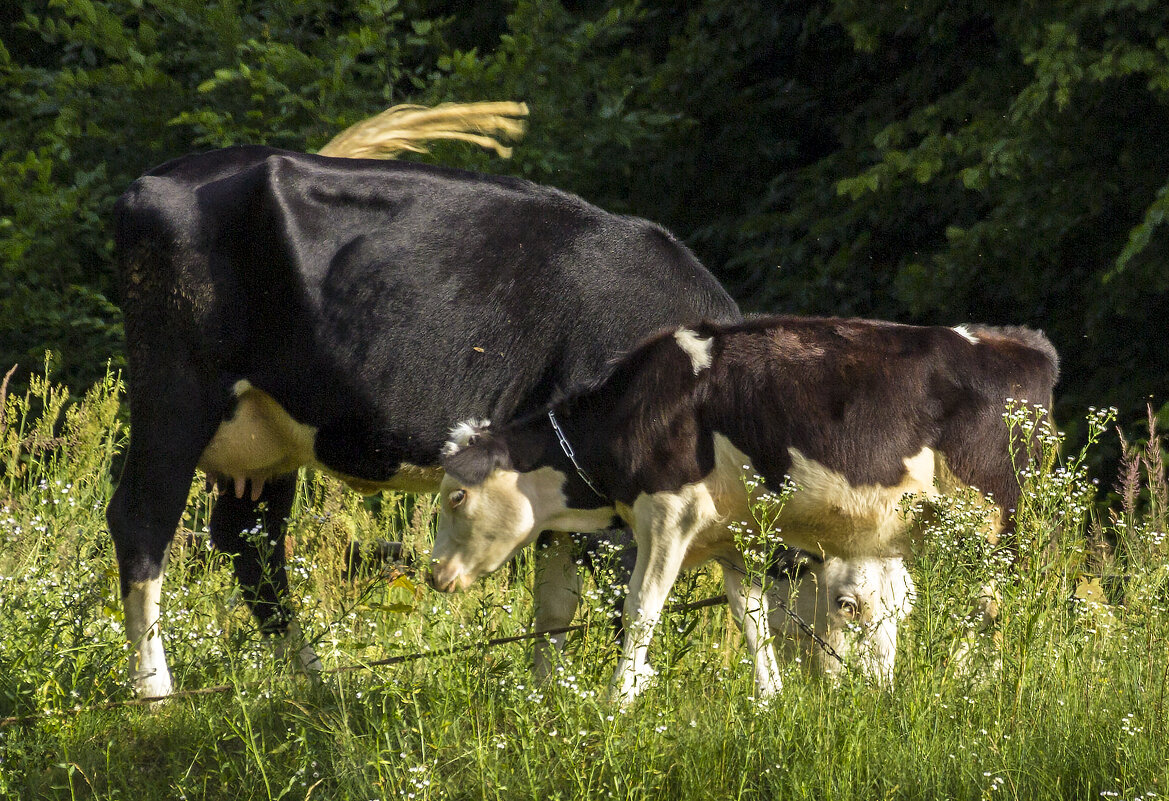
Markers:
(481, 526)
(855, 606)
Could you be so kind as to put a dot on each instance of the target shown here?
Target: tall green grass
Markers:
(1066, 699)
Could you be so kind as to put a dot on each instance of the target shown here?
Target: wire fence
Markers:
(344, 669)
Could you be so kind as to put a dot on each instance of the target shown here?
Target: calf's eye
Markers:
(848, 607)
(456, 497)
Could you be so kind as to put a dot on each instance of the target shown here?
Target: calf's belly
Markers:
(829, 515)
(826, 514)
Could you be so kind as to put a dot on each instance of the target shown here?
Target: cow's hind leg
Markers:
(253, 533)
(168, 432)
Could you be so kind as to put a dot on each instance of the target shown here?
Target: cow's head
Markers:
(855, 606)
(500, 491)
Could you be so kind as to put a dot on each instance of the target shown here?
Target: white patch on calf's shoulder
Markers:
(699, 511)
(461, 435)
(697, 348)
(544, 488)
(966, 334)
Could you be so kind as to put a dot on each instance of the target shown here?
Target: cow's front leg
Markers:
(748, 604)
(555, 596)
(663, 526)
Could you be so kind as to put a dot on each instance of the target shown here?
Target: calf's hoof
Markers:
(629, 685)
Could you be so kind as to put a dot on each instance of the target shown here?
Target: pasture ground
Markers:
(1069, 703)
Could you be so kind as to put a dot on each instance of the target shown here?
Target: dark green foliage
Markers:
(1013, 168)
(936, 162)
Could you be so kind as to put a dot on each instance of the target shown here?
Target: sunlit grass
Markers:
(1065, 699)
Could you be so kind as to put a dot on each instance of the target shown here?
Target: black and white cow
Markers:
(284, 309)
(857, 413)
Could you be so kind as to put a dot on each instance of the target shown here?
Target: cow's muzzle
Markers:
(446, 577)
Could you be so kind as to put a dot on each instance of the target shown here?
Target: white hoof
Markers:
(151, 684)
(629, 684)
(302, 655)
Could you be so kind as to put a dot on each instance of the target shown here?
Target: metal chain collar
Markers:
(567, 448)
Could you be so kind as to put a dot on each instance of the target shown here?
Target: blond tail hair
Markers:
(408, 128)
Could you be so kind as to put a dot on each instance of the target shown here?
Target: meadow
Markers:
(1065, 700)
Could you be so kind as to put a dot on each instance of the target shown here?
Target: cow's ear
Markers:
(473, 463)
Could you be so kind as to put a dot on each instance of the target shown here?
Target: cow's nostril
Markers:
(441, 577)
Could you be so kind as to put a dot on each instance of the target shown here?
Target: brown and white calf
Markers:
(858, 414)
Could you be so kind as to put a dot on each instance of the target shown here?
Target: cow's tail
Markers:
(409, 128)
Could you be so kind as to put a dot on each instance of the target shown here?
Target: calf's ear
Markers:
(473, 463)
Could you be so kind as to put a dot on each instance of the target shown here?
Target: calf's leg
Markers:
(608, 555)
(749, 606)
(664, 524)
(556, 594)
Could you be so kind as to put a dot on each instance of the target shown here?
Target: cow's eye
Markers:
(848, 606)
(456, 497)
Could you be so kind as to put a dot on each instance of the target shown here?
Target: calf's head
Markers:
(855, 606)
(500, 491)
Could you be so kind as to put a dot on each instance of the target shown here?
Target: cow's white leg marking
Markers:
(750, 608)
(147, 661)
(697, 348)
(556, 594)
(664, 524)
(296, 649)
